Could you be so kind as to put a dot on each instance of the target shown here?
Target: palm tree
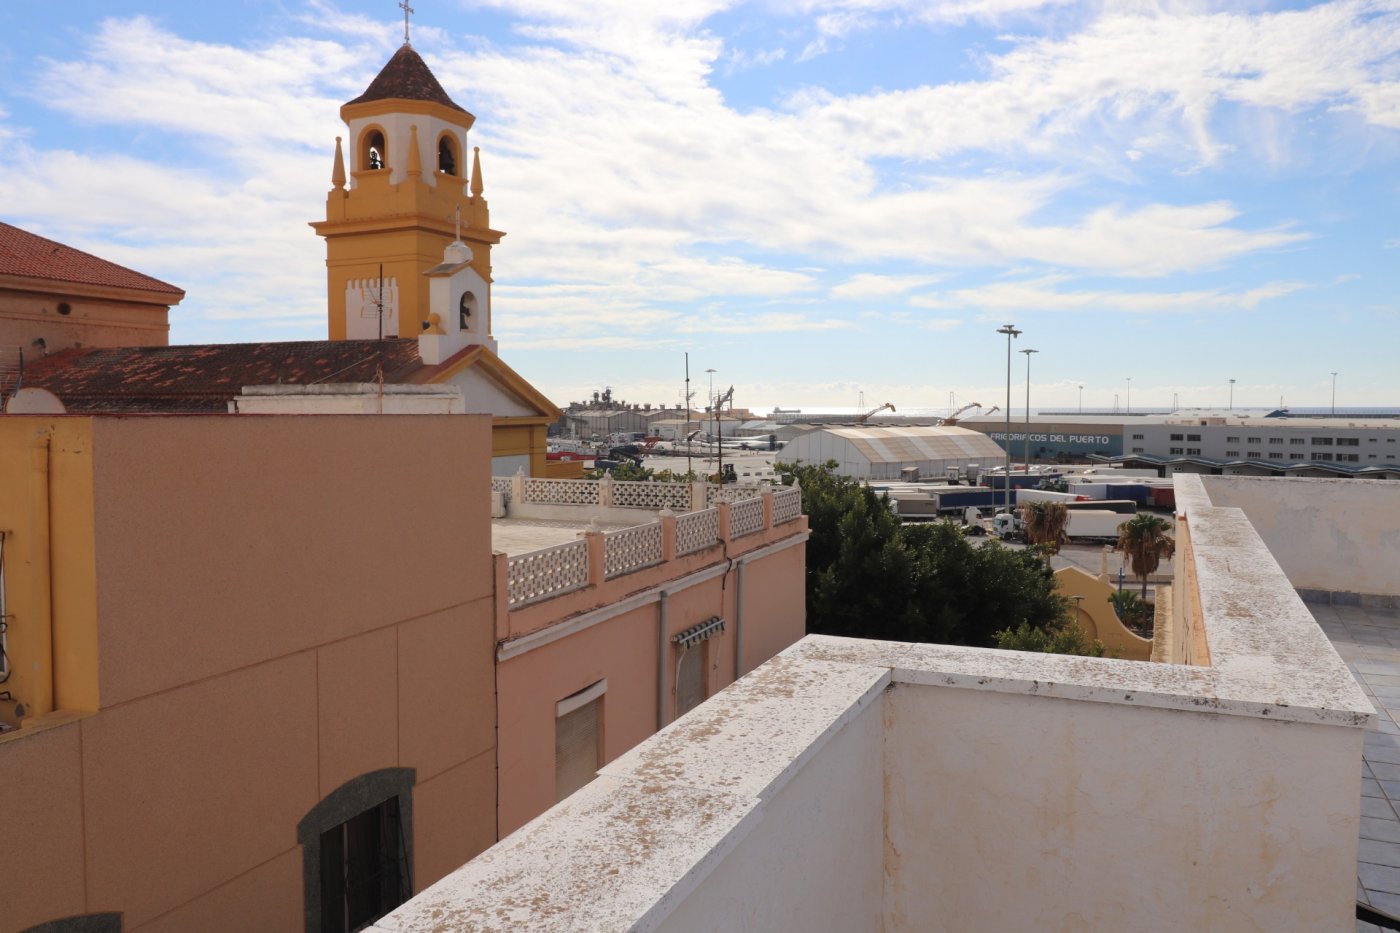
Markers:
(1045, 523)
(1144, 541)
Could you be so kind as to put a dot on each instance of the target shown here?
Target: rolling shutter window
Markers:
(576, 740)
(690, 684)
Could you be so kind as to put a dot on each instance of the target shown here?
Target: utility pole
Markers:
(1334, 393)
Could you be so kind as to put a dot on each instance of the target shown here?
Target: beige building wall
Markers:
(94, 317)
(555, 648)
(282, 604)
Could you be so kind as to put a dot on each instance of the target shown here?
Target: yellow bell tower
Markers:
(402, 202)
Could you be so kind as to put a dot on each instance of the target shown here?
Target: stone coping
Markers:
(622, 852)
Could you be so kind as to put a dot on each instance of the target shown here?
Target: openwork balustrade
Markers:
(550, 572)
(631, 549)
(746, 517)
(787, 505)
(696, 531)
(561, 491)
(629, 495)
(502, 484)
(732, 492)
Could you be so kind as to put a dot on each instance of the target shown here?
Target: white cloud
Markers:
(1042, 295)
(742, 60)
(872, 285)
(1139, 77)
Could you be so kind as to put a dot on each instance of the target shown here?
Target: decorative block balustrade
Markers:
(787, 505)
(598, 556)
(631, 549)
(696, 531)
(745, 517)
(625, 494)
(549, 572)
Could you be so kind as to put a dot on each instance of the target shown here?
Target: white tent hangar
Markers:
(881, 453)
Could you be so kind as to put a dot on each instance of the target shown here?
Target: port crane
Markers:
(953, 418)
(861, 419)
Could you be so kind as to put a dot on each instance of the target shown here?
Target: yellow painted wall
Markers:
(512, 439)
(1096, 617)
(405, 226)
(46, 514)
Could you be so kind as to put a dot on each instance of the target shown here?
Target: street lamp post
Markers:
(1028, 409)
(1232, 395)
(1334, 393)
(1081, 400)
(1129, 399)
(1011, 332)
(712, 405)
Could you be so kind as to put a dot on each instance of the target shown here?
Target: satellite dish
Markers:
(33, 401)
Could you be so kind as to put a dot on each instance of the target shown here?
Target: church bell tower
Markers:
(400, 203)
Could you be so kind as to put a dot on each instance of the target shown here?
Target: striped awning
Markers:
(698, 633)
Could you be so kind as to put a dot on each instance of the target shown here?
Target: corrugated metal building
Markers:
(881, 453)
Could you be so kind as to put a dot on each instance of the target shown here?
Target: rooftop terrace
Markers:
(860, 785)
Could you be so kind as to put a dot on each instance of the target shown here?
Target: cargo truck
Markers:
(1090, 525)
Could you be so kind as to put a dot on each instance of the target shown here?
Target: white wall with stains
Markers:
(1339, 535)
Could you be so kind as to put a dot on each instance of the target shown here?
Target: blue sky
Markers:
(817, 198)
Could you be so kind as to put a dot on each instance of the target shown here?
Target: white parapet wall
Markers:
(1330, 535)
(852, 785)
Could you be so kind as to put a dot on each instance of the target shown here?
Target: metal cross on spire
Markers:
(407, 10)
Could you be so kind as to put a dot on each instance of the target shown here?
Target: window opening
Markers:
(357, 851)
(578, 739)
(374, 150)
(690, 679)
(364, 869)
(465, 308)
(447, 159)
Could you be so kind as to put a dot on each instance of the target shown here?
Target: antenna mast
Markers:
(379, 302)
(685, 420)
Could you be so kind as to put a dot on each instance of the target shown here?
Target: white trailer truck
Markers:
(1088, 524)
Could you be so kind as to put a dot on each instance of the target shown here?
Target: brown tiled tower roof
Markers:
(29, 255)
(406, 76)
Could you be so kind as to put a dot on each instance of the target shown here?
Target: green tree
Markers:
(1144, 541)
(1066, 639)
(870, 576)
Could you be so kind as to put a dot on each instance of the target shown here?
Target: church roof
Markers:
(31, 256)
(205, 377)
(406, 77)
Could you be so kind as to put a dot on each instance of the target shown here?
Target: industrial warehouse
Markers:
(896, 452)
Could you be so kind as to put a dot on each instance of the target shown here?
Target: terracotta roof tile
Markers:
(204, 377)
(26, 254)
(406, 76)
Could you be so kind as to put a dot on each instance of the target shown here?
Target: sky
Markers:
(824, 201)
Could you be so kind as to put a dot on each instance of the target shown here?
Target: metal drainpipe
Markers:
(661, 661)
(4, 618)
(739, 622)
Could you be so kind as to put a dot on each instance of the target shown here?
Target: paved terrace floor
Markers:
(523, 535)
(1369, 641)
